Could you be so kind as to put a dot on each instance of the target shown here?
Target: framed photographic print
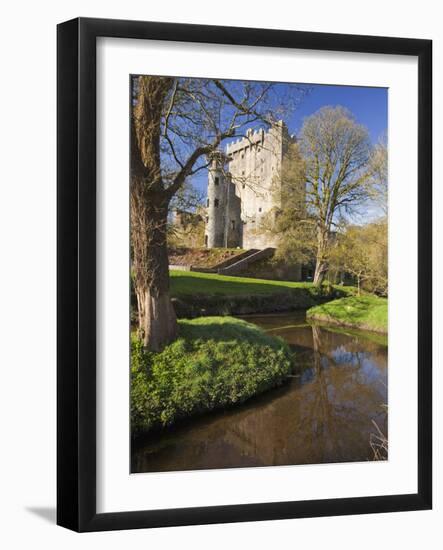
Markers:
(244, 274)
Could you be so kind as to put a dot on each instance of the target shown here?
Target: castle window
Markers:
(207, 202)
(243, 173)
(233, 224)
(216, 180)
(207, 219)
(216, 203)
(259, 209)
(243, 185)
(242, 155)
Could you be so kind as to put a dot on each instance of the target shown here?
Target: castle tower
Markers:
(216, 203)
(243, 189)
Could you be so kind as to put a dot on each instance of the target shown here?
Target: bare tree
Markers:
(188, 198)
(379, 174)
(176, 124)
(336, 152)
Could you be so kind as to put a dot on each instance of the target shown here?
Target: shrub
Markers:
(216, 362)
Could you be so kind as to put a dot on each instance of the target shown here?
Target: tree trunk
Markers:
(157, 323)
(321, 265)
(157, 320)
(320, 272)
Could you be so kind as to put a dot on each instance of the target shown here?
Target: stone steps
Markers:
(221, 265)
(233, 265)
(240, 265)
(234, 259)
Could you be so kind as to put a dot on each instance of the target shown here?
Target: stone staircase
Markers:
(240, 264)
(235, 259)
(231, 266)
(224, 264)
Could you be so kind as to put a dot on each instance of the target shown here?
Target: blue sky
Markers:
(368, 105)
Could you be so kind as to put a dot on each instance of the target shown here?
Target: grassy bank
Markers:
(364, 312)
(197, 294)
(216, 362)
(185, 283)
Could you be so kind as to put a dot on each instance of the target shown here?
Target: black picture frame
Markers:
(76, 274)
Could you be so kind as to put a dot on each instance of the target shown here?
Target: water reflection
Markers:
(323, 414)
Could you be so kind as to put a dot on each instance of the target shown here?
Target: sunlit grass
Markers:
(367, 312)
(184, 283)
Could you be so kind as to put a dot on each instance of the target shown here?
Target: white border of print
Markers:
(117, 490)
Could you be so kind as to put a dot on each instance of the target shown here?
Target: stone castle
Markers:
(243, 188)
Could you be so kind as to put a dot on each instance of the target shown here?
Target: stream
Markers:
(325, 413)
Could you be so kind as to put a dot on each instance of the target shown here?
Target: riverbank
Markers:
(362, 312)
(197, 294)
(216, 362)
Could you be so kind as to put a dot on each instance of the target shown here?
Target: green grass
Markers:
(215, 362)
(365, 312)
(188, 283)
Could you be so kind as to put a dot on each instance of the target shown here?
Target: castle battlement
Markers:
(253, 138)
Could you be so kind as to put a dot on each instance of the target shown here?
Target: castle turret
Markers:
(216, 202)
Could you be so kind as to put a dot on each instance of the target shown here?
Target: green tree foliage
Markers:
(292, 221)
(362, 252)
